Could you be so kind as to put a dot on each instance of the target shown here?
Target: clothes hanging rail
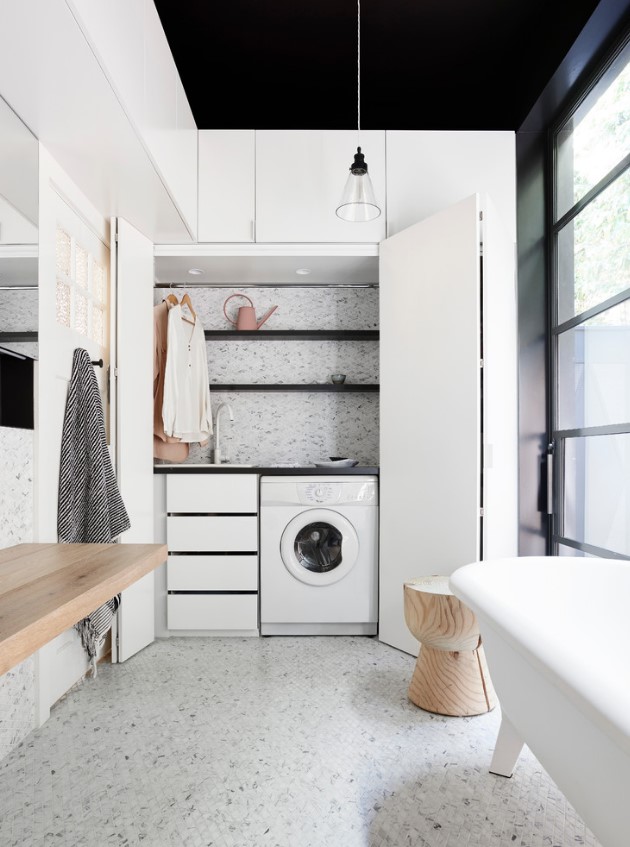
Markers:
(232, 285)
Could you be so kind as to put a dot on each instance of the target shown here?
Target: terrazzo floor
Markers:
(271, 742)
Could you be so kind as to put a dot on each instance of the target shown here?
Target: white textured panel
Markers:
(298, 428)
(19, 310)
(277, 428)
(17, 705)
(291, 361)
(16, 486)
(17, 687)
(298, 308)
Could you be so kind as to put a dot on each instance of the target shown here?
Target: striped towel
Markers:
(90, 508)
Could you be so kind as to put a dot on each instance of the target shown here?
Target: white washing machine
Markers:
(318, 555)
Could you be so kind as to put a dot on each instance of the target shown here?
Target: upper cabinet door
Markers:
(300, 175)
(446, 167)
(227, 191)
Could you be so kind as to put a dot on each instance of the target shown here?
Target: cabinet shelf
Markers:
(313, 334)
(304, 387)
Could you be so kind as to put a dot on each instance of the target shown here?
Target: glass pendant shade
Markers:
(358, 201)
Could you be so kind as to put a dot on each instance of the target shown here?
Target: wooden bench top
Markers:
(46, 588)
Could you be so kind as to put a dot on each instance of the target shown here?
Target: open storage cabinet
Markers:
(448, 416)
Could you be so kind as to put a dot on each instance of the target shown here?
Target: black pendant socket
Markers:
(359, 166)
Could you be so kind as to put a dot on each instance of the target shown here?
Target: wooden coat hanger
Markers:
(186, 301)
(171, 298)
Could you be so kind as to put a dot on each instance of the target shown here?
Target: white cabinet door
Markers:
(430, 406)
(227, 191)
(432, 483)
(133, 265)
(300, 175)
(430, 170)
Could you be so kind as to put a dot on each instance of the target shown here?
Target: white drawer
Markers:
(212, 573)
(212, 493)
(212, 611)
(201, 534)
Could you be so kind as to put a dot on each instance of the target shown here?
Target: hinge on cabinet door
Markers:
(116, 237)
(481, 512)
(481, 363)
(480, 216)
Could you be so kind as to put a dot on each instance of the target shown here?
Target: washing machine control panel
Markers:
(319, 492)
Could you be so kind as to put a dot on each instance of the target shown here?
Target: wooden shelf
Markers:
(306, 334)
(47, 588)
(304, 387)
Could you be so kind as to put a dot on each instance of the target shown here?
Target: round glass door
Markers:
(319, 547)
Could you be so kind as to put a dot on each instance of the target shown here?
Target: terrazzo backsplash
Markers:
(271, 428)
(17, 687)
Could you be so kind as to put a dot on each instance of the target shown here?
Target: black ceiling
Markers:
(425, 64)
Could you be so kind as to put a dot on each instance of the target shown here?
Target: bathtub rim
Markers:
(600, 702)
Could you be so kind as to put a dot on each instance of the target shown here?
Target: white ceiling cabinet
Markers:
(129, 42)
(429, 170)
(300, 175)
(227, 190)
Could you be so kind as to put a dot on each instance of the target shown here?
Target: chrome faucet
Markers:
(217, 443)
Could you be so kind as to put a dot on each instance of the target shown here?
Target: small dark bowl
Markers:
(337, 458)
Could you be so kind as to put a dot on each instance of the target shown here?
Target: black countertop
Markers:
(306, 470)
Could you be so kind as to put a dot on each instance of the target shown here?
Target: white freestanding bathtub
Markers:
(556, 633)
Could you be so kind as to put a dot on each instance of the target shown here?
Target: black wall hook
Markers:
(99, 363)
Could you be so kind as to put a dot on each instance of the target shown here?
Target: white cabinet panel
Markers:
(207, 534)
(227, 161)
(120, 49)
(432, 480)
(213, 612)
(212, 573)
(203, 493)
(174, 151)
(430, 170)
(300, 175)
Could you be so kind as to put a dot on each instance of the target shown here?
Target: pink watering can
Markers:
(246, 317)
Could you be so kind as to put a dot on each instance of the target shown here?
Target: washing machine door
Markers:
(319, 547)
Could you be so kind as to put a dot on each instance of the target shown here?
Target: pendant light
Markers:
(358, 201)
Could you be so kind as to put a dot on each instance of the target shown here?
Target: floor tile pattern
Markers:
(271, 742)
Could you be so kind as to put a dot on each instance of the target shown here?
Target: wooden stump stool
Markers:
(451, 675)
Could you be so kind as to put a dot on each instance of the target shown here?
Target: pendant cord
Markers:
(359, 72)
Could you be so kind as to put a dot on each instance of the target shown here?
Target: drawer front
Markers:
(212, 493)
(212, 573)
(212, 611)
(199, 534)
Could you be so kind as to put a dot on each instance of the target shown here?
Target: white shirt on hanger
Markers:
(186, 407)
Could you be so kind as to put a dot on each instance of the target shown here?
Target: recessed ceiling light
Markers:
(195, 271)
(303, 271)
